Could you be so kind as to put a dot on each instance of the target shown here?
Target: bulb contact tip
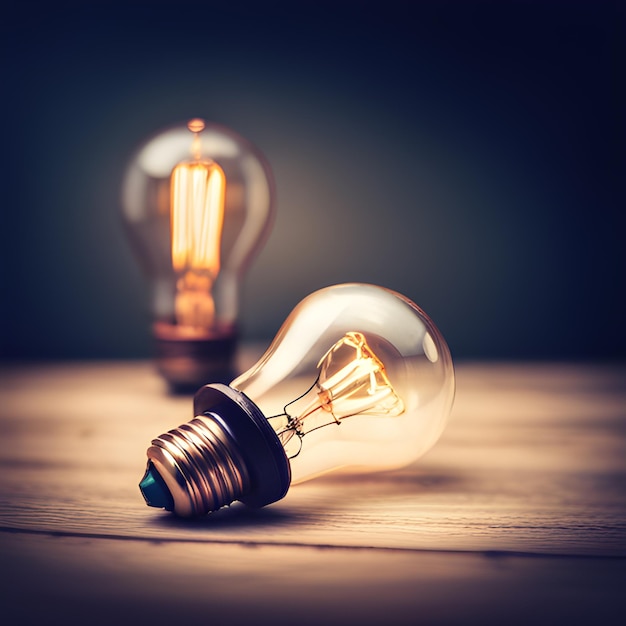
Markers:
(154, 489)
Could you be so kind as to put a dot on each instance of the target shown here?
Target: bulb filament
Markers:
(197, 215)
(352, 381)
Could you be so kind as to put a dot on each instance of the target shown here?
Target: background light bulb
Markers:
(358, 377)
(198, 202)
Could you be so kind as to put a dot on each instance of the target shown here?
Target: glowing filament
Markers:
(352, 381)
(197, 215)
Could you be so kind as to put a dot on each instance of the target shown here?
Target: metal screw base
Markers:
(227, 452)
(201, 465)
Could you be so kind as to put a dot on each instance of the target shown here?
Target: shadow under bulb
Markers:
(198, 202)
(358, 377)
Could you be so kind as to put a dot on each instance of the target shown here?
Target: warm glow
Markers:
(197, 214)
(352, 381)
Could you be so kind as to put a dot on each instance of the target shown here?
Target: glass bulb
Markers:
(358, 377)
(198, 202)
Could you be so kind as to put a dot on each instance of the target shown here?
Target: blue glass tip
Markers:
(154, 490)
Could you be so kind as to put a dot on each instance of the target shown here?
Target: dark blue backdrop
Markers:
(467, 154)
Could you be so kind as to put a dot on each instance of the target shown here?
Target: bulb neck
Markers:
(228, 452)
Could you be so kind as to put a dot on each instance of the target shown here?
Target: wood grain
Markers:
(527, 479)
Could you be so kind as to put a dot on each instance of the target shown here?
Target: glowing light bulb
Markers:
(358, 377)
(198, 204)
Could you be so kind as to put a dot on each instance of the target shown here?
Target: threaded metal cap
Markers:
(228, 452)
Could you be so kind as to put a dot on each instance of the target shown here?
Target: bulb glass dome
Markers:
(380, 362)
(198, 204)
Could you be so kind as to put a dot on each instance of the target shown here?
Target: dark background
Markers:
(467, 154)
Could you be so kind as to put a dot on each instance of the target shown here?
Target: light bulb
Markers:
(358, 377)
(198, 202)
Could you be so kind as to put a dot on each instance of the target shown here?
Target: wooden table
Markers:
(518, 515)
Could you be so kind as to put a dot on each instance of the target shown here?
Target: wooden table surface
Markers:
(517, 515)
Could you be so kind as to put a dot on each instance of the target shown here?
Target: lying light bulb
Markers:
(198, 203)
(358, 377)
